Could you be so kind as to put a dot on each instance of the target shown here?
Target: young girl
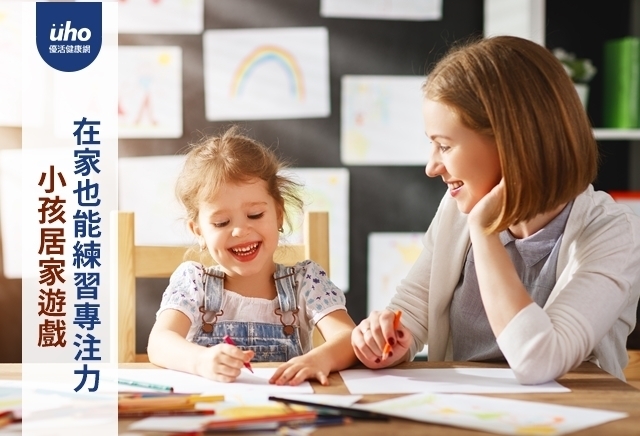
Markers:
(235, 196)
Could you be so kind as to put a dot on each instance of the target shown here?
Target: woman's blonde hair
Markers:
(233, 158)
(516, 92)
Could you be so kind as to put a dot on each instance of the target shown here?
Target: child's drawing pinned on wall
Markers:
(266, 73)
(150, 92)
(161, 16)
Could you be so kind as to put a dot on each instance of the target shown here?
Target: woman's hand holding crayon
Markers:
(380, 340)
(222, 362)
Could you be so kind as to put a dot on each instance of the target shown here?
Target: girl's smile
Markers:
(239, 227)
(245, 252)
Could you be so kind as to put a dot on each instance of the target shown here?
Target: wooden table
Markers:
(590, 387)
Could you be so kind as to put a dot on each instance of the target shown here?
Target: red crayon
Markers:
(229, 341)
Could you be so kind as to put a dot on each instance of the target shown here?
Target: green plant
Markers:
(580, 70)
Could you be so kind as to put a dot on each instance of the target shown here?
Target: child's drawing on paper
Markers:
(266, 73)
(382, 121)
(10, 207)
(327, 189)
(161, 16)
(414, 10)
(146, 186)
(94, 101)
(495, 415)
(282, 59)
(390, 257)
(10, 47)
(150, 92)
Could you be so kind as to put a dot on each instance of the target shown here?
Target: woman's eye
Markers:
(221, 224)
(256, 216)
(443, 148)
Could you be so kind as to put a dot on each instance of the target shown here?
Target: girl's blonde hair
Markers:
(233, 158)
(516, 92)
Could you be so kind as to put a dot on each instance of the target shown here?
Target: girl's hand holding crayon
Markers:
(222, 362)
(380, 340)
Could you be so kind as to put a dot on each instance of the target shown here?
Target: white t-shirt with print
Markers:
(317, 296)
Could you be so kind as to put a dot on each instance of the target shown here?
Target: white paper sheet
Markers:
(326, 399)
(415, 10)
(494, 415)
(326, 189)
(10, 73)
(150, 92)
(72, 102)
(193, 384)
(146, 186)
(191, 424)
(443, 380)
(381, 121)
(523, 18)
(11, 212)
(266, 73)
(161, 16)
(11, 396)
(390, 257)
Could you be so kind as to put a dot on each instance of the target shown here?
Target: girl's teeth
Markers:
(245, 250)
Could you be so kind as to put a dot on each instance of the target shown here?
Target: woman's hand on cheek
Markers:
(487, 209)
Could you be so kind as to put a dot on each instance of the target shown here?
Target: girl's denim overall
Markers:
(271, 342)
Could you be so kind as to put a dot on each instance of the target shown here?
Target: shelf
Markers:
(618, 134)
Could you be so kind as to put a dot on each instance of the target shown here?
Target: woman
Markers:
(523, 261)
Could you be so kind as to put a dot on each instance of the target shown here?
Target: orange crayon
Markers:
(387, 346)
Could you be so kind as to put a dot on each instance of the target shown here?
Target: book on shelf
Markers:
(621, 75)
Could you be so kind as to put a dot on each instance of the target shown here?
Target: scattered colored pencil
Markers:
(169, 404)
(141, 384)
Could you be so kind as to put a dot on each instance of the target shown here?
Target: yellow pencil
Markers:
(205, 398)
(167, 401)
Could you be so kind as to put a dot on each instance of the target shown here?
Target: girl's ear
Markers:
(195, 228)
(280, 216)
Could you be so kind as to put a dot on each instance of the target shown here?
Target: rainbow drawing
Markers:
(264, 54)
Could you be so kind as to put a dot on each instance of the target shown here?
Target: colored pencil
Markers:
(136, 414)
(141, 384)
(387, 346)
(169, 401)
